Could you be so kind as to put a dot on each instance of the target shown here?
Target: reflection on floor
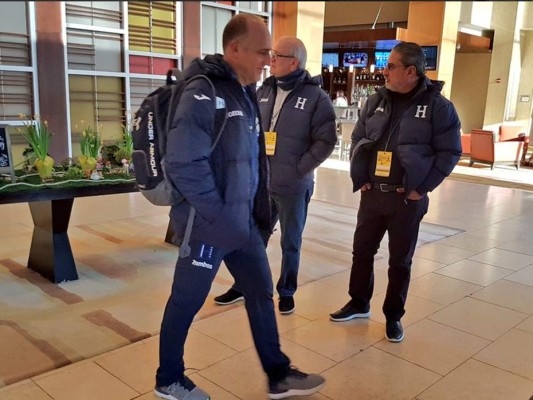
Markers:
(469, 320)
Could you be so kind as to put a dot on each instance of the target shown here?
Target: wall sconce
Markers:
(372, 68)
(330, 68)
(351, 68)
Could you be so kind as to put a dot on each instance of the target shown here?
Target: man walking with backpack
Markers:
(299, 123)
(227, 188)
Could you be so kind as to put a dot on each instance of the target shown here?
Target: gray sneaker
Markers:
(296, 383)
(185, 390)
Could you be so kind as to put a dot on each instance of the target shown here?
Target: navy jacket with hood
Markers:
(429, 141)
(306, 132)
(227, 187)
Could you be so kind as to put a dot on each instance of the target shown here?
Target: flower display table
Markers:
(50, 252)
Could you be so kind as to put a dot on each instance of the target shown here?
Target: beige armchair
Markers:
(485, 149)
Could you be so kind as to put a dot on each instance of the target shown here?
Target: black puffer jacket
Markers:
(429, 139)
(228, 188)
(306, 133)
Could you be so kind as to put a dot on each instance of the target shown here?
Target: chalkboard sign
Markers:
(6, 160)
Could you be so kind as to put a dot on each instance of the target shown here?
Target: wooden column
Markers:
(191, 31)
(435, 23)
(51, 66)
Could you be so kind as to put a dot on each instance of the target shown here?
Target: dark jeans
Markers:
(291, 211)
(379, 213)
(192, 281)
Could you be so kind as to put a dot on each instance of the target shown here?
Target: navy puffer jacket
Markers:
(220, 185)
(306, 133)
(429, 139)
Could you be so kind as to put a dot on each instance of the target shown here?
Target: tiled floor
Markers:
(468, 326)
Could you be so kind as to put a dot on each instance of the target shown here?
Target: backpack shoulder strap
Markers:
(220, 113)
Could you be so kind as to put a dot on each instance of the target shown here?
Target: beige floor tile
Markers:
(125, 365)
(526, 325)
(434, 346)
(479, 318)
(512, 352)
(87, 381)
(470, 242)
(521, 245)
(441, 289)
(317, 299)
(230, 328)
(503, 258)
(340, 280)
(337, 340)
(474, 272)
(305, 359)
(240, 375)
(508, 294)
(442, 253)
(525, 276)
(376, 375)
(423, 267)
(478, 381)
(416, 308)
(23, 390)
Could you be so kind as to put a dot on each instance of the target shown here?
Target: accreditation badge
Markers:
(383, 163)
(270, 142)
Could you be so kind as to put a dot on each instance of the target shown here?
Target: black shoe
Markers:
(394, 331)
(348, 312)
(286, 305)
(230, 297)
(296, 383)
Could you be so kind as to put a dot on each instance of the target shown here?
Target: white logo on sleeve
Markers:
(421, 111)
(202, 97)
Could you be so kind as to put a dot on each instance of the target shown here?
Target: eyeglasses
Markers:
(391, 66)
(274, 55)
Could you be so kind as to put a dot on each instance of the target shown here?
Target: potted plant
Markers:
(125, 147)
(90, 147)
(38, 136)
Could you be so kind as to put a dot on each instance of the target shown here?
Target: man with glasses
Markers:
(228, 189)
(406, 142)
(299, 123)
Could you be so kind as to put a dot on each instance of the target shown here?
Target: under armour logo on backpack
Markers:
(421, 111)
(202, 97)
(137, 123)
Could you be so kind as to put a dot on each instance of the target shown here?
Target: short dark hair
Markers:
(411, 54)
(237, 27)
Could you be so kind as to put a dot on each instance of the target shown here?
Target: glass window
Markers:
(92, 51)
(98, 102)
(16, 87)
(15, 95)
(152, 26)
(140, 88)
(105, 14)
(213, 22)
(215, 16)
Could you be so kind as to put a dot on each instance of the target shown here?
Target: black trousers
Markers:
(378, 213)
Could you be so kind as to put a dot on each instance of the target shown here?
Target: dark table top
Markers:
(59, 193)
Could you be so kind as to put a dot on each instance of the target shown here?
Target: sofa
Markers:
(487, 148)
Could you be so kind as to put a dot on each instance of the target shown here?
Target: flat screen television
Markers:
(358, 60)
(381, 58)
(330, 59)
(430, 52)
